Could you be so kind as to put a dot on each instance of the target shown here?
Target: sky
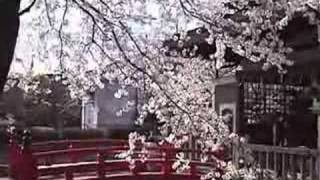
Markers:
(29, 38)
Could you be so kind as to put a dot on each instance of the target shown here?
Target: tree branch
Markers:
(90, 15)
(47, 12)
(106, 5)
(94, 42)
(134, 41)
(148, 75)
(97, 12)
(60, 33)
(28, 8)
(193, 13)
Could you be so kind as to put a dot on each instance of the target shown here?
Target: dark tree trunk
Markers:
(9, 27)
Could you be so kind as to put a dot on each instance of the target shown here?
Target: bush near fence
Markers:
(49, 134)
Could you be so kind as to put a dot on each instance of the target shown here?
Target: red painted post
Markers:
(13, 160)
(193, 169)
(71, 155)
(100, 166)
(23, 165)
(69, 174)
(167, 163)
(29, 165)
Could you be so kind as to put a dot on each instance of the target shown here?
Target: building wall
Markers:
(89, 114)
(102, 110)
(108, 106)
(227, 97)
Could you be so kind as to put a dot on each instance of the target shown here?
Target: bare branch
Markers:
(194, 14)
(106, 5)
(94, 42)
(92, 17)
(134, 41)
(60, 33)
(47, 12)
(97, 12)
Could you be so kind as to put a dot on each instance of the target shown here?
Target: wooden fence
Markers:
(296, 163)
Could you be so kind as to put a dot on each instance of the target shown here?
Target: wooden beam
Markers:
(318, 25)
(318, 122)
(318, 140)
(316, 110)
(225, 80)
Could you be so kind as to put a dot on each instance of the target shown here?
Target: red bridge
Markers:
(96, 160)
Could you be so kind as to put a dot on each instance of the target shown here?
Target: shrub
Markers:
(76, 133)
(41, 133)
(119, 133)
(50, 134)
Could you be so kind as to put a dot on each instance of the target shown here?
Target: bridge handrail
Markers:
(82, 141)
(77, 167)
(118, 148)
(70, 156)
(62, 144)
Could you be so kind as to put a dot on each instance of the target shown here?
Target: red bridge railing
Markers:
(96, 160)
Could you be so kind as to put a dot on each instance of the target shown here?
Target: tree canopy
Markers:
(123, 41)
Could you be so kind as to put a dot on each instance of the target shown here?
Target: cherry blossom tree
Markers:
(122, 41)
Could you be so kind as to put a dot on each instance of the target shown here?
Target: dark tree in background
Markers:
(48, 104)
